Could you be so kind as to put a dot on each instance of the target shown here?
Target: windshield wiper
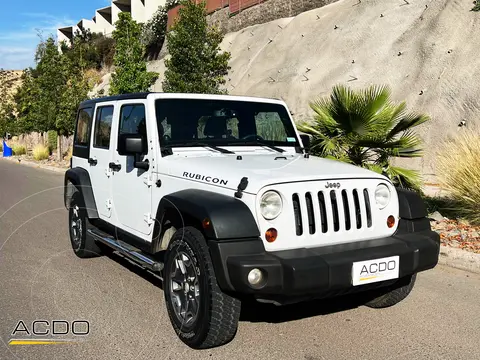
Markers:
(206, 146)
(261, 142)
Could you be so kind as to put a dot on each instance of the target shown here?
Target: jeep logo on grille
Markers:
(332, 185)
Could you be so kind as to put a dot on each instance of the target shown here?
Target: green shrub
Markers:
(446, 206)
(19, 149)
(154, 31)
(203, 68)
(106, 50)
(40, 152)
(52, 140)
(131, 74)
(476, 5)
(458, 170)
(365, 128)
(94, 50)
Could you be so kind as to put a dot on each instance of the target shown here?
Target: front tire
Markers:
(202, 315)
(390, 297)
(83, 246)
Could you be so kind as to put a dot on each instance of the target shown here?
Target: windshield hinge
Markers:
(148, 219)
(241, 187)
(147, 180)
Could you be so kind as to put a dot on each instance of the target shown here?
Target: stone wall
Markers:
(263, 13)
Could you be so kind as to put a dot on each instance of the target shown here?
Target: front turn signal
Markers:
(391, 221)
(271, 235)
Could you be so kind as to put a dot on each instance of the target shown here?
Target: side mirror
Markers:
(306, 142)
(132, 144)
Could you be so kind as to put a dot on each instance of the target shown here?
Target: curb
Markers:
(459, 259)
(36, 165)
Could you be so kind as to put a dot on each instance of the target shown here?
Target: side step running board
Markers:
(126, 250)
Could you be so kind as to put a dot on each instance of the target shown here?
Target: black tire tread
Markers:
(90, 248)
(225, 310)
(394, 296)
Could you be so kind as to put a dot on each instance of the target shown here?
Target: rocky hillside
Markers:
(426, 50)
(10, 80)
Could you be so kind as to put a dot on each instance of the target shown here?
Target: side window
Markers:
(132, 119)
(270, 126)
(82, 134)
(103, 127)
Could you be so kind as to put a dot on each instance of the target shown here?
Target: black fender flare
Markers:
(81, 180)
(411, 205)
(412, 212)
(229, 217)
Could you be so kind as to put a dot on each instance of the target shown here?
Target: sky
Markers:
(22, 20)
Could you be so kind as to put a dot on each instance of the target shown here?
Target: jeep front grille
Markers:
(334, 205)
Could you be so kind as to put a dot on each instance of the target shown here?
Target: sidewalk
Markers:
(459, 259)
(31, 163)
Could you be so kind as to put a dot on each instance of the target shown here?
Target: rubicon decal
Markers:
(205, 178)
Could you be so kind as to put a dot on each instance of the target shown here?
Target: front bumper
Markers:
(317, 272)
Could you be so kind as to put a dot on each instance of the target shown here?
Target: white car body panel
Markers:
(101, 174)
(131, 196)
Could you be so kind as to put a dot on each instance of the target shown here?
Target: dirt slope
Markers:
(10, 80)
(427, 51)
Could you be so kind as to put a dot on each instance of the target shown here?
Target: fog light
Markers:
(391, 221)
(271, 235)
(255, 277)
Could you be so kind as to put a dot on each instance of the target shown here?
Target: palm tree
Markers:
(367, 129)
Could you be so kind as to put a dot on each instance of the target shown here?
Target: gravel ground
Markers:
(458, 234)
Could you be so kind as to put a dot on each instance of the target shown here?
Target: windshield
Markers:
(197, 122)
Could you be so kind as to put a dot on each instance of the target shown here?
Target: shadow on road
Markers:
(253, 311)
(133, 267)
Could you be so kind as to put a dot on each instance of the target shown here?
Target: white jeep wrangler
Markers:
(219, 197)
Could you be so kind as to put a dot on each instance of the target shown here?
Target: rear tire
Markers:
(390, 297)
(83, 246)
(202, 315)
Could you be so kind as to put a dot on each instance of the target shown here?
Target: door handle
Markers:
(114, 166)
(92, 161)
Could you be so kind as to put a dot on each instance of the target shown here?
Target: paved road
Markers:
(41, 279)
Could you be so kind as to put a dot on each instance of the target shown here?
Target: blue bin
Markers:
(7, 151)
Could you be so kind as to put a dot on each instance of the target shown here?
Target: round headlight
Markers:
(271, 205)
(382, 196)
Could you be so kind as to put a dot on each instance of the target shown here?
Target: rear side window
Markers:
(84, 119)
(132, 120)
(103, 127)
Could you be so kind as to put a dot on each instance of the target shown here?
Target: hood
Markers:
(260, 169)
